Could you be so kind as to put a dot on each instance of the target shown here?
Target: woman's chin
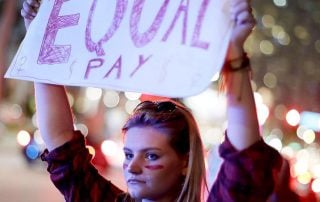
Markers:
(135, 193)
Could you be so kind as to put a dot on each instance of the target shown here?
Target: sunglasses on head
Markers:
(158, 106)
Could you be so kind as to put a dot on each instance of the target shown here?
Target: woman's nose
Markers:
(135, 166)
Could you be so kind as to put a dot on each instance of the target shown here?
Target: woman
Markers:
(164, 158)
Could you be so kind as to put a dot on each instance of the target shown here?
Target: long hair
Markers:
(175, 120)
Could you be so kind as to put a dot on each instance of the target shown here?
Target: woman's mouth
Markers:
(135, 181)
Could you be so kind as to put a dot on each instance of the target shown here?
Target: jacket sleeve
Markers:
(73, 174)
(245, 175)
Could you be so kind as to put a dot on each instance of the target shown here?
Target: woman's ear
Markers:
(185, 171)
(185, 165)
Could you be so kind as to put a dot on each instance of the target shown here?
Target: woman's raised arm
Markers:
(243, 127)
(53, 110)
(54, 115)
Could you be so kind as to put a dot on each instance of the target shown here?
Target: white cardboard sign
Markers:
(162, 47)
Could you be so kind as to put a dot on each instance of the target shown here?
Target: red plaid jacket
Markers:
(244, 176)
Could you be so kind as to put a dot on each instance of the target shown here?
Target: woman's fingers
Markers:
(33, 3)
(240, 7)
(244, 22)
(29, 9)
(26, 15)
(241, 13)
(245, 18)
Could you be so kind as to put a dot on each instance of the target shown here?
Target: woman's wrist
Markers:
(240, 63)
(234, 51)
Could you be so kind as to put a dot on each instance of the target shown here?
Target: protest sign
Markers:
(162, 47)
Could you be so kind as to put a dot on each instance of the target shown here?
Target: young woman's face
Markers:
(152, 169)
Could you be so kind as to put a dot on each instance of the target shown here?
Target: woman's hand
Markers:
(244, 22)
(29, 11)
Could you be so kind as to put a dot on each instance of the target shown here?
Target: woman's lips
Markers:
(135, 181)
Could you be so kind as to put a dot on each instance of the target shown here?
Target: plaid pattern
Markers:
(244, 176)
(73, 174)
(247, 175)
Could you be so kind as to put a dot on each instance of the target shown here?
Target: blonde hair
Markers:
(177, 121)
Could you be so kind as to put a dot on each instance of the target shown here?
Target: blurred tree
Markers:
(8, 17)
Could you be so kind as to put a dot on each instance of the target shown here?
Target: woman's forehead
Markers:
(145, 137)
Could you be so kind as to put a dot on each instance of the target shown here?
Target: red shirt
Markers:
(244, 176)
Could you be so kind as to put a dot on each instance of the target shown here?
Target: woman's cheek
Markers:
(124, 166)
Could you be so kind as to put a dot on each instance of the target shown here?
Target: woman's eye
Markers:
(152, 157)
(128, 156)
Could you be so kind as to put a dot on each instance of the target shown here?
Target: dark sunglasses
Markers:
(158, 106)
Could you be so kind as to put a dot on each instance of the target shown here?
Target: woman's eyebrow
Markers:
(127, 149)
(144, 149)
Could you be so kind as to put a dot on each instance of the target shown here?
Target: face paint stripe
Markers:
(154, 167)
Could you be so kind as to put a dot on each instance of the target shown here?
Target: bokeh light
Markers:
(132, 95)
(268, 21)
(93, 93)
(309, 136)
(316, 185)
(111, 99)
(23, 138)
(266, 47)
(91, 150)
(32, 151)
(270, 80)
(275, 143)
(304, 178)
(37, 137)
(280, 3)
(293, 117)
(109, 148)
